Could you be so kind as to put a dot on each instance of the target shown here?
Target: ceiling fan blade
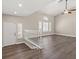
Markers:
(65, 13)
(72, 10)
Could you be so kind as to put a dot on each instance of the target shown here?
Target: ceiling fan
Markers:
(67, 11)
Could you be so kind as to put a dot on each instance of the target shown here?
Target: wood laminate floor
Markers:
(54, 47)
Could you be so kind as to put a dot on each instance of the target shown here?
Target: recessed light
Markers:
(15, 12)
(20, 5)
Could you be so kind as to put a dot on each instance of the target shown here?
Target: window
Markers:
(45, 18)
(19, 30)
(40, 26)
(50, 29)
(45, 27)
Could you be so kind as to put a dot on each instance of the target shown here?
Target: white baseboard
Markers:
(64, 34)
(47, 34)
(18, 42)
(12, 44)
(7, 45)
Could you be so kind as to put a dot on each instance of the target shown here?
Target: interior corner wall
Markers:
(66, 25)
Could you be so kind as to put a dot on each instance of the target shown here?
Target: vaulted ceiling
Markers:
(55, 8)
(28, 7)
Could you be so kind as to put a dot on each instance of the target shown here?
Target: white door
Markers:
(9, 33)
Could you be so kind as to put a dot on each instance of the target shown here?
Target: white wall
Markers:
(9, 31)
(65, 24)
(62, 25)
(29, 22)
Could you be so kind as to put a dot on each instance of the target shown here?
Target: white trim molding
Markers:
(64, 34)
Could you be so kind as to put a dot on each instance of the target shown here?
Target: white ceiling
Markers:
(55, 8)
(29, 7)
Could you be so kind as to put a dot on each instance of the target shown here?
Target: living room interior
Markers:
(39, 29)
